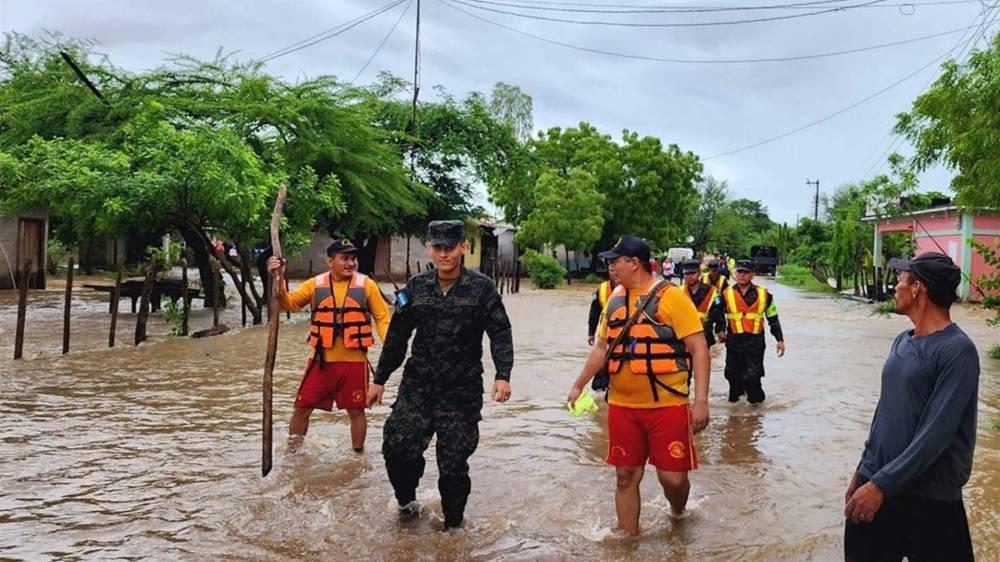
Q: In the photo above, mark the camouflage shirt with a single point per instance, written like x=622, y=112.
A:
x=448, y=346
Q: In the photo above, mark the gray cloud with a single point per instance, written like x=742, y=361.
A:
x=710, y=109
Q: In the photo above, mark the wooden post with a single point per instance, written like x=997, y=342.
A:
x=115, y=296
x=66, y=307
x=517, y=276
x=22, y=309
x=243, y=302
x=288, y=313
x=147, y=291
x=185, y=300
x=215, y=294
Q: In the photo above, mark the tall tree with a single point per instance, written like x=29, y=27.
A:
x=712, y=197
x=568, y=213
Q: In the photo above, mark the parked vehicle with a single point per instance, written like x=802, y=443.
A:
x=765, y=259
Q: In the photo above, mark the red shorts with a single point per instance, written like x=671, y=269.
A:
x=660, y=435
x=340, y=381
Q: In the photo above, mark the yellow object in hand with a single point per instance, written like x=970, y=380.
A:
x=585, y=403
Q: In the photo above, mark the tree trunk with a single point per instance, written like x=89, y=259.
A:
x=568, y=281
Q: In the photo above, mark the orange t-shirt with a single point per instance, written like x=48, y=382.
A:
x=302, y=297
x=632, y=391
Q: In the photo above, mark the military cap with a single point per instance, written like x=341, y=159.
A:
x=445, y=233
x=744, y=265
x=691, y=266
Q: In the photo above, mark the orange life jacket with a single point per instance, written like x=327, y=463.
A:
x=706, y=302
x=650, y=347
x=745, y=318
x=350, y=320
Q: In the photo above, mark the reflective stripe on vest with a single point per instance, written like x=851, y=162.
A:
x=706, y=303
x=718, y=282
x=352, y=320
x=651, y=347
x=744, y=318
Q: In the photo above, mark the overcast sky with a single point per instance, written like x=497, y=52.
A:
x=710, y=109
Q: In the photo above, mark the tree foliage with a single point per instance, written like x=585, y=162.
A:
x=568, y=213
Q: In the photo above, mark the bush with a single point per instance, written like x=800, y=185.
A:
x=594, y=279
x=884, y=308
x=545, y=271
x=994, y=352
x=173, y=314
x=802, y=277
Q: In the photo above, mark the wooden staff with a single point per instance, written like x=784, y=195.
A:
x=69, y=301
x=22, y=309
x=115, y=296
x=274, y=317
x=215, y=294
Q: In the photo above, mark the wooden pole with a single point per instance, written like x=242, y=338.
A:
x=115, y=296
x=215, y=294
x=274, y=320
x=22, y=309
x=288, y=313
x=147, y=291
x=243, y=302
x=185, y=300
x=66, y=307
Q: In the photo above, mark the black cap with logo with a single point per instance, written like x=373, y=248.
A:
x=341, y=246
x=935, y=270
x=445, y=233
x=628, y=246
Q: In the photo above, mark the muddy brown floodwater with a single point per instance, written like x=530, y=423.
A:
x=153, y=452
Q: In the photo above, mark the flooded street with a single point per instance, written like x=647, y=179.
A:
x=153, y=452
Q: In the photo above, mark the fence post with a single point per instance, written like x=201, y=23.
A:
x=66, y=307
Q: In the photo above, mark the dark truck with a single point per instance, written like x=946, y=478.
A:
x=765, y=259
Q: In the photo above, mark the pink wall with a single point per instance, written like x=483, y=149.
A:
x=986, y=223
x=979, y=267
x=940, y=223
x=952, y=245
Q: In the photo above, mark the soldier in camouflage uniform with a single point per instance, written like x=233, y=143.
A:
x=442, y=388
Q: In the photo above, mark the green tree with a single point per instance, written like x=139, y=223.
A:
x=712, y=197
x=568, y=213
x=510, y=105
x=957, y=123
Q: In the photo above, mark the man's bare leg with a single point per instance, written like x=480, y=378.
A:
x=298, y=426
x=627, y=500
x=359, y=428
x=676, y=488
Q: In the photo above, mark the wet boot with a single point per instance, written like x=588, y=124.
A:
x=404, y=475
x=454, y=495
x=735, y=389
x=755, y=392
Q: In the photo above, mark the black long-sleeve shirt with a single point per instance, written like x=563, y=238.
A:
x=594, y=318
x=448, y=347
x=923, y=434
x=770, y=312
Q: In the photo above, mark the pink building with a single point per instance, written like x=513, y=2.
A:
x=947, y=230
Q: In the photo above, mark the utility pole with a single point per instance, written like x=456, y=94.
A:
x=816, y=206
x=416, y=92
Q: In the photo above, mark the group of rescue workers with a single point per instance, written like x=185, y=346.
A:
x=649, y=338
x=650, y=343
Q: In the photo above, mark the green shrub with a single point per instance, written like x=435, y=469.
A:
x=594, y=279
x=884, y=308
x=802, y=277
x=545, y=271
x=173, y=314
x=994, y=352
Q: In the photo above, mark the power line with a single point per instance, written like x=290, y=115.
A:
x=384, y=40
x=328, y=34
x=841, y=111
x=701, y=61
x=840, y=8
x=879, y=162
x=799, y=5
x=581, y=7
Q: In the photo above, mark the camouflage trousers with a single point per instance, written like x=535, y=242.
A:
x=745, y=368
x=416, y=417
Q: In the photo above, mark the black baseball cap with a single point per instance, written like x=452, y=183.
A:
x=935, y=270
x=628, y=246
x=713, y=264
x=445, y=233
x=341, y=246
x=744, y=265
x=691, y=266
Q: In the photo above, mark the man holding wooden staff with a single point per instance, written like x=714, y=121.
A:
x=345, y=304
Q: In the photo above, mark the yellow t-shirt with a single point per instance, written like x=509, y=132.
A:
x=632, y=391
x=302, y=296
